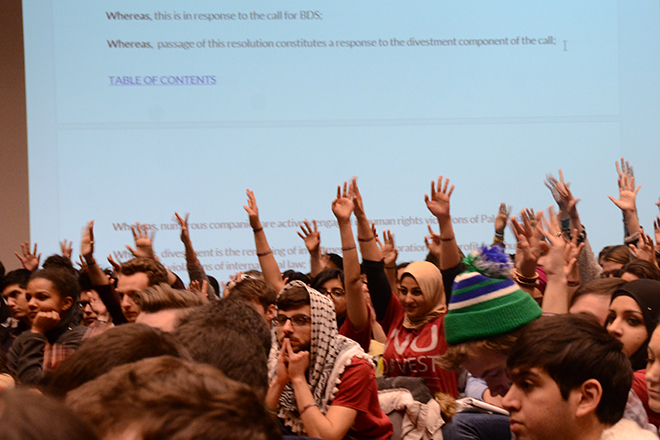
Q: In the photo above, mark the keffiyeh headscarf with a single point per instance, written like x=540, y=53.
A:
x=329, y=354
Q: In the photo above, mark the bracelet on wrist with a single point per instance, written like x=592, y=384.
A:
x=573, y=283
x=258, y=230
x=348, y=248
x=499, y=235
x=263, y=254
x=447, y=238
x=526, y=281
x=365, y=240
x=308, y=406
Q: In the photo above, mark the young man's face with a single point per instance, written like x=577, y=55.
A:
x=537, y=410
x=15, y=297
x=490, y=366
x=299, y=336
x=127, y=287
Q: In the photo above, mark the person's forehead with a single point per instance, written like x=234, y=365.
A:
x=12, y=288
x=304, y=310
x=534, y=373
x=135, y=282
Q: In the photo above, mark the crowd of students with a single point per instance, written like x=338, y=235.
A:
x=551, y=342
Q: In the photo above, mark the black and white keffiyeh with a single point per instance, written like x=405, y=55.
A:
x=329, y=355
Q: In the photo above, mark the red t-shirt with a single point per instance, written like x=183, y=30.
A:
x=412, y=353
x=358, y=391
x=639, y=387
x=362, y=337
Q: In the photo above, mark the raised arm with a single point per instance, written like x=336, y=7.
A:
x=528, y=251
x=389, y=252
x=438, y=204
x=144, y=247
x=29, y=260
x=558, y=262
x=627, y=196
x=96, y=274
x=501, y=220
x=366, y=237
x=312, y=239
x=66, y=246
x=97, y=277
x=379, y=287
x=356, y=307
x=195, y=269
x=269, y=266
x=569, y=218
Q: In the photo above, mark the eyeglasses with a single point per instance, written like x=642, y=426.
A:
x=337, y=292
x=296, y=320
x=83, y=304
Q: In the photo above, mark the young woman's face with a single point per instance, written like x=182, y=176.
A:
x=412, y=300
x=653, y=371
x=42, y=296
x=334, y=289
x=626, y=323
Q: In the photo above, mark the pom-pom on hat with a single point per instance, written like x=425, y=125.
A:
x=485, y=302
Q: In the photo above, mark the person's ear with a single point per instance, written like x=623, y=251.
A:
x=67, y=302
x=590, y=393
x=270, y=312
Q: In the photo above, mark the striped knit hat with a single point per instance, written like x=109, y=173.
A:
x=485, y=302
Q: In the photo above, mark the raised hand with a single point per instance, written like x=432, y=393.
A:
x=67, y=248
x=87, y=241
x=502, y=218
x=562, y=194
x=387, y=248
x=252, y=210
x=433, y=242
x=644, y=250
x=551, y=183
x=311, y=237
x=528, y=248
x=554, y=249
x=656, y=230
x=143, y=242
x=29, y=260
x=342, y=206
x=438, y=203
x=183, y=222
x=116, y=265
x=627, y=189
x=357, y=198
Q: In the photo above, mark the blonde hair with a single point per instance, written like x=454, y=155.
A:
x=163, y=296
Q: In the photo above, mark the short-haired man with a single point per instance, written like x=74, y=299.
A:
x=13, y=289
x=134, y=275
x=255, y=291
x=570, y=381
x=162, y=306
x=322, y=384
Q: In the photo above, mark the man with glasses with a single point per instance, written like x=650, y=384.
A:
x=322, y=384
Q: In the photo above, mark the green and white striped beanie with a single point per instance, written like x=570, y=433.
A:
x=485, y=302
